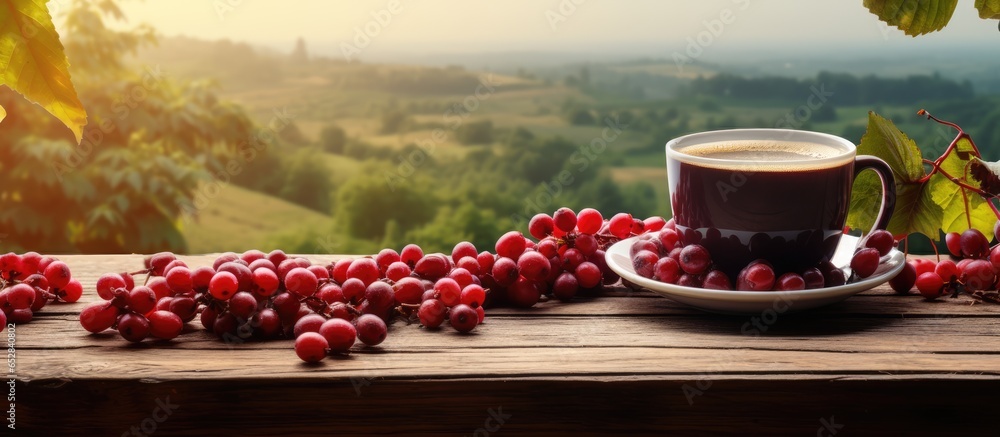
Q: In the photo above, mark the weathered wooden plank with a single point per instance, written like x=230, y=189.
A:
x=660, y=406
x=164, y=363
x=880, y=301
x=796, y=332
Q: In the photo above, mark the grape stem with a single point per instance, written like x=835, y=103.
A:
x=936, y=168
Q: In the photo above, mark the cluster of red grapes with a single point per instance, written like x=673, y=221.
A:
x=569, y=256
x=30, y=281
x=663, y=257
x=327, y=308
x=238, y=298
x=976, y=273
x=436, y=288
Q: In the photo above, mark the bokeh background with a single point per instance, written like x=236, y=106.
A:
x=336, y=127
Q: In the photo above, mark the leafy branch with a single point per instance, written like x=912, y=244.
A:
x=33, y=62
x=946, y=194
x=919, y=17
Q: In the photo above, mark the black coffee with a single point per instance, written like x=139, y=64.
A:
x=745, y=200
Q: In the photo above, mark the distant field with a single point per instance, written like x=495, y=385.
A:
x=655, y=176
x=342, y=168
x=240, y=219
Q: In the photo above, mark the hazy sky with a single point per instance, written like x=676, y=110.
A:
x=653, y=27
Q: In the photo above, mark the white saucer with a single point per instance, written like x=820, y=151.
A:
x=756, y=302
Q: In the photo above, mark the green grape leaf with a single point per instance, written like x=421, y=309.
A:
x=916, y=210
x=988, y=8
x=32, y=62
x=914, y=17
x=962, y=208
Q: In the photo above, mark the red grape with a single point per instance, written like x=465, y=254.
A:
x=572, y=258
x=694, y=259
x=408, y=290
x=668, y=239
x=397, y=270
x=715, y=280
x=20, y=296
x=303, y=282
x=165, y=325
x=486, y=261
x=979, y=275
x=244, y=277
x=308, y=323
x=364, y=269
x=185, y=307
x=589, y=221
x=565, y=286
x=533, y=265
x=947, y=270
x=922, y=266
x=930, y=285
x=462, y=250
x=903, y=282
x=995, y=257
x=71, y=292
x=380, y=297
x=432, y=313
x=505, y=271
x=179, y=279
x=463, y=318
x=371, y=329
x=586, y=244
x=865, y=262
x=588, y=274
x=564, y=219
x=689, y=280
x=473, y=295
x=266, y=281
x=108, y=283
x=654, y=223
x=385, y=258
x=331, y=293
x=881, y=240
x=974, y=244
x=433, y=267
x=644, y=263
x=158, y=262
x=511, y=245
x=339, y=334
x=524, y=293
x=353, y=289
x=448, y=291
x=667, y=270
x=790, y=282
x=813, y=278
x=541, y=226
x=954, y=242
x=620, y=225
x=200, y=277
x=641, y=245
x=58, y=274
x=133, y=327
x=311, y=347
x=410, y=254
x=142, y=299
x=223, y=285
x=242, y=305
x=758, y=276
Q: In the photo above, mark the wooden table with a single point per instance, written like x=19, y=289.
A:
x=626, y=362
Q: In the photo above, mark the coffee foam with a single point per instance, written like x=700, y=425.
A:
x=766, y=155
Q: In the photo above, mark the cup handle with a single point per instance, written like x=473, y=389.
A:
x=865, y=162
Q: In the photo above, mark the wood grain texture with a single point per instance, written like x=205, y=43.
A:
x=624, y=362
